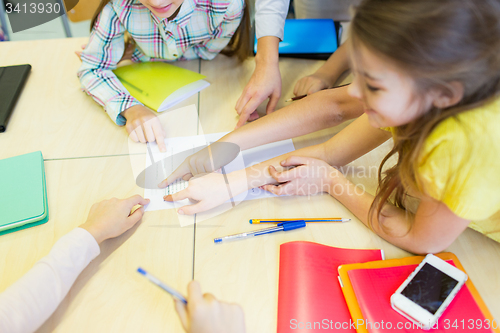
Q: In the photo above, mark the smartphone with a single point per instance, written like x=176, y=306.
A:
x=428, y=290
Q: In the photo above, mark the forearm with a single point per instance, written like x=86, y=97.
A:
x=353, y=142
x=105, y=88
x=267, y=51
x=358, y=201
x=318, y=111
x=431, y=230
x=26, y=304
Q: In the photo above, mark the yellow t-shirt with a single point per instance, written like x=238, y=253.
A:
x=460, y=166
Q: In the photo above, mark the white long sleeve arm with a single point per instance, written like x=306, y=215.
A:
x=270, y=17
x=30, y=301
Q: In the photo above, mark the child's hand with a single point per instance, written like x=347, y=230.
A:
x=310, y=176
x=311, y=84
x=209, y=191
x=265, y=83
x=207, y=160
x=111, y=218
x=144, y=126
x=205, y=314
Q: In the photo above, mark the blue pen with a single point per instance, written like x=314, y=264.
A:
x=283, y=226
x=163, y=286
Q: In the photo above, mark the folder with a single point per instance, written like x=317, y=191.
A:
x=367, y=288
x=308, y=289
x=308, y=38
x=23, y=192
x=159, y=85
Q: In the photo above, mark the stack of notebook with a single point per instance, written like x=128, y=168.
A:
x=323, y=288
x=23, y=192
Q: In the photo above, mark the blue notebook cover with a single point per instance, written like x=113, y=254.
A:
x=304, y=37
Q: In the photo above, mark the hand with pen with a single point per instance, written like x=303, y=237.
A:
x=203, y=313
x=312, y=83
x=326, y=76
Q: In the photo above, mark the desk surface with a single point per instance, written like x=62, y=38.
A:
x=53, y=114
x=246, y=272
x=109, y=296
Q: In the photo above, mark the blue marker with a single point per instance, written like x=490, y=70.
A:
x=283, y=226
x=163, y=286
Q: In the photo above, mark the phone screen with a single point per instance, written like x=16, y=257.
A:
x=429, y=288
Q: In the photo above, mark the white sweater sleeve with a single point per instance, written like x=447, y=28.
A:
x=30, y=301
x=270, y=17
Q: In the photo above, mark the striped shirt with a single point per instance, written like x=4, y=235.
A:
x=201, y=29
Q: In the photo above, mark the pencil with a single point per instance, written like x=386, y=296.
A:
x=315, y=220
x=296, y=98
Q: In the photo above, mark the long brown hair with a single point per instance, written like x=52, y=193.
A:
x=436, y=42
x=238, y=46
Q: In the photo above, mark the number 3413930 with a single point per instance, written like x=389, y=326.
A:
x=33, y=8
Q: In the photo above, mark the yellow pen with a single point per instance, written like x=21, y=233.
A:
x=314, y=220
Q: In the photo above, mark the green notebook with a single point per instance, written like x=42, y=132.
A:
x=23, y=192
x=159, y=85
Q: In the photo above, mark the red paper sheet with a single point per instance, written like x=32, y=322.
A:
x=309, y=296
x=374, y=287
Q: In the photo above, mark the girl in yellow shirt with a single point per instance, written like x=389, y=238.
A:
x=430, y=71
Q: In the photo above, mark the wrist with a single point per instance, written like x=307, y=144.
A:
x=335, y=181
x=267, y=51
x=131, y=110
x=239, y=182
x=97, y=236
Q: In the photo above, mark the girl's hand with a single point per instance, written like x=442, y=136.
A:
x=205, y=314
x=310, y=176
x=111, y=218
x=144, y=126
x=208, y=191
x=208, y=159
x=312, y=83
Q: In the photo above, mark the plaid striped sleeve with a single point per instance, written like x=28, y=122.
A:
x=103, y=52
x=222, y=32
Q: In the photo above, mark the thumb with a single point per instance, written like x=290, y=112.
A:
x=294, y=161
x=181, y=310
x=273, y=101
x=136, y=216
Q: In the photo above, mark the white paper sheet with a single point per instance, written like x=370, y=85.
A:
x=183, y=147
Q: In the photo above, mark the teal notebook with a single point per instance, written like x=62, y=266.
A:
x=23, y=192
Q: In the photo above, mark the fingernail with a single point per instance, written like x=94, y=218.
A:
x=282, y=162
x=180, y=211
